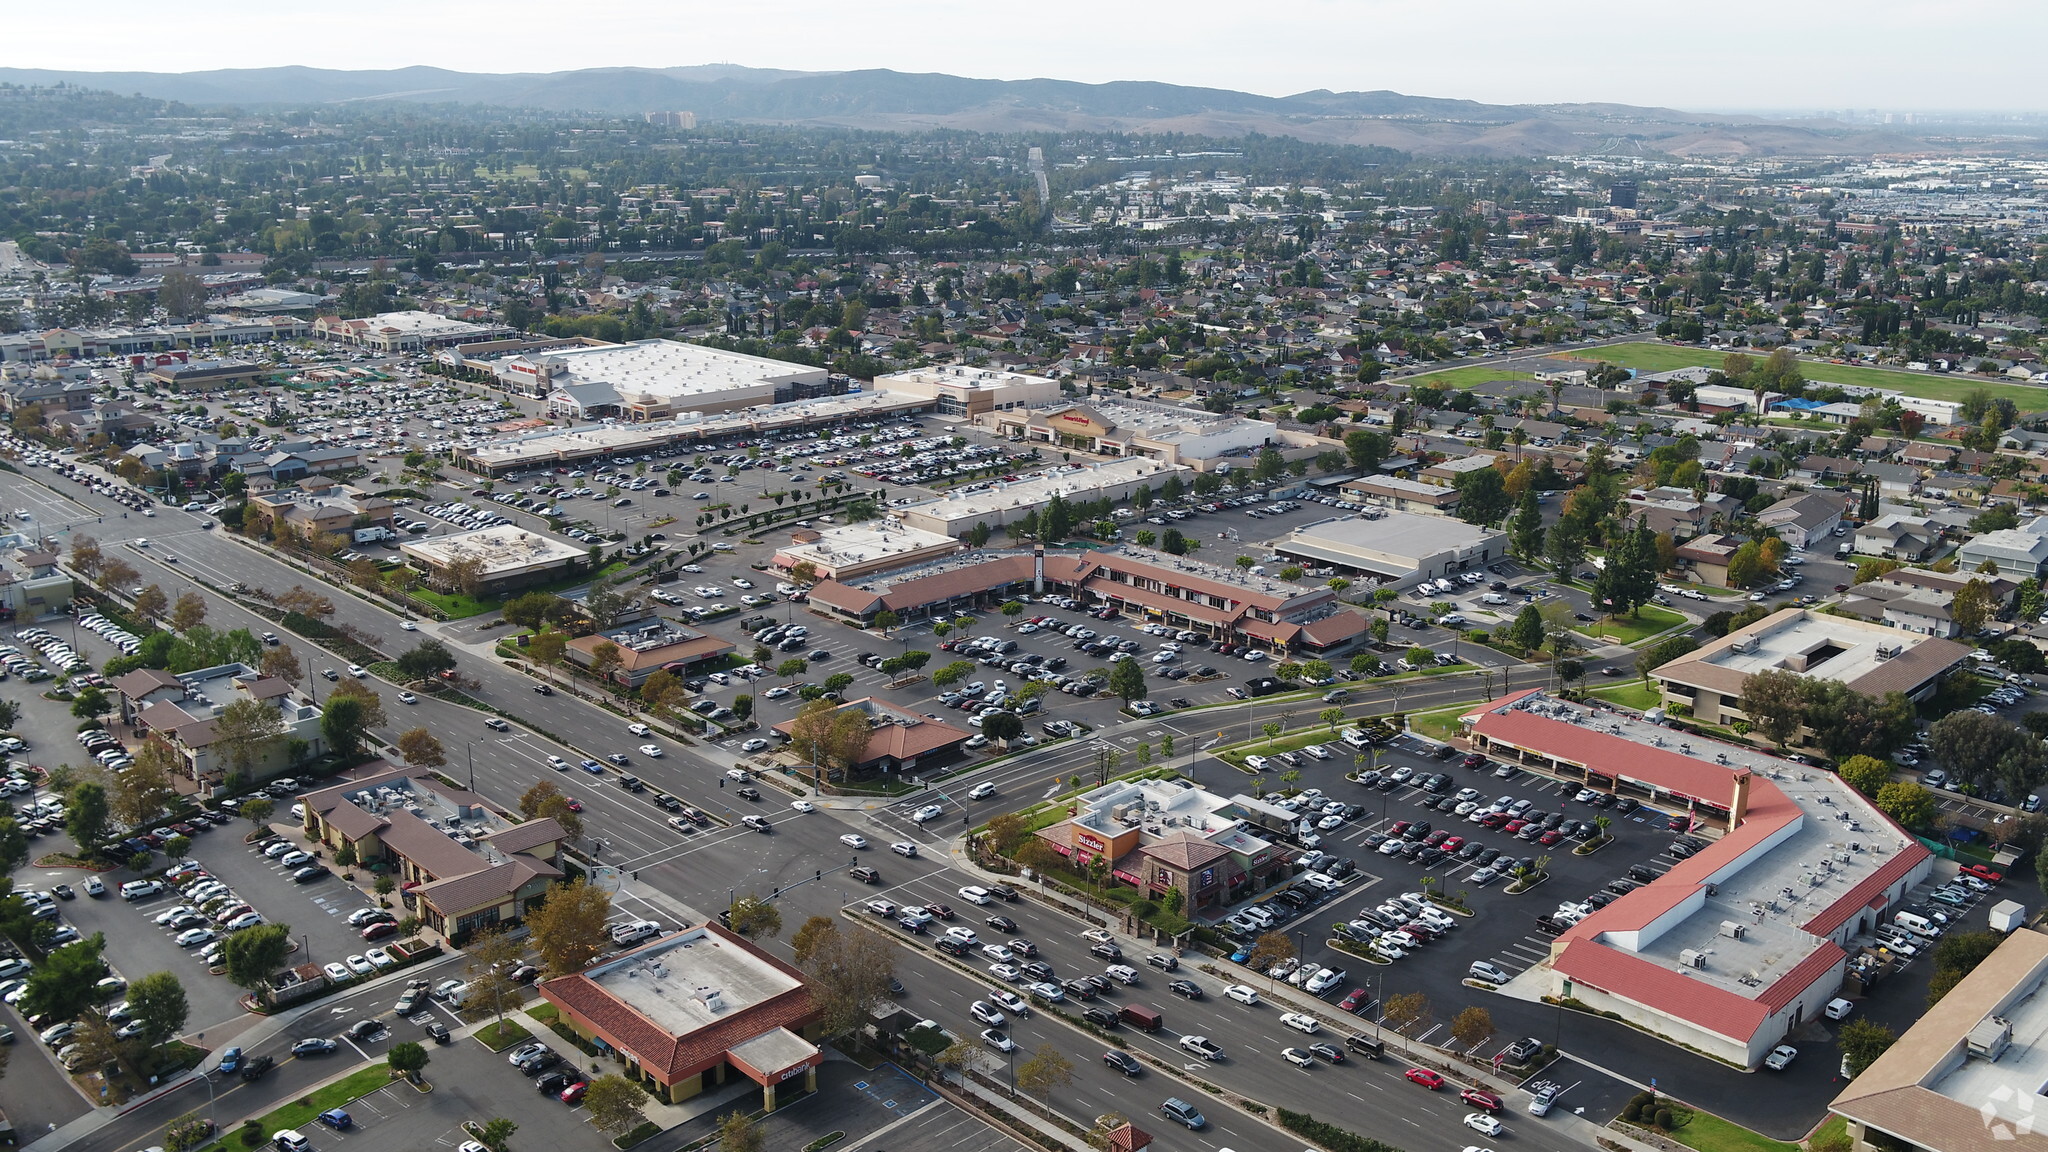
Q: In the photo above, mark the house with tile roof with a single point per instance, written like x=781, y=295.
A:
x=1736, y=947
x=689, y=1011
x=1160, y=835
x=462, y=865
x=182, y=709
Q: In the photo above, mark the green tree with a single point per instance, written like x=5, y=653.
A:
x=613, y=1103
x=1866, y=774
x=91, y=704
x=1906, y=802
x=1483, y=496
x=1664, y=652
x=65, y=986
x=496, y=1134
x=407, y=1058
x=423, y=660
x=568, y=928
x=1003, y=727
x=1862, y=1041
x=157, y=1005
x=341, y=723
x=1971, y=606
x=244, y=729
x=737, y=1132
x=1127, y=680
x=1525, y=528
x=253, y=955
x=1775, y=702
x=88, y=821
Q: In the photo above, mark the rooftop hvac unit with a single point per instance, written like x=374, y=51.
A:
x=1732, y=929
x=1693, y=958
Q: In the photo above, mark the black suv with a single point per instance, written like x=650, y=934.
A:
x=255, y=1068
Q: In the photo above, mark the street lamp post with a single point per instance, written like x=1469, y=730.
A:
x=208, y=1077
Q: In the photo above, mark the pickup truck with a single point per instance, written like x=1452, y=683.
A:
x=1201, y=1046
x=1550, y=926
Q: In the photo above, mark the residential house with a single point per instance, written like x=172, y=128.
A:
x=1804, y=520
x=1898, y=537
x=2018, y=553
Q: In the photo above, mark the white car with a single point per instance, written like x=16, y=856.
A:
x=1010, y=1002
x=407, y=698
x=639, y=729
x=651, y=751
x=854, y=840
x=999, y=953
x=1301, y=1022
x=1241, y=993
x=803, y=806
x=358, y=671
x=1780, y=1057
x=982, y=791
x=927, y=814
x=975, y=894
x=1298, y=1058
x=1006, y=972
x=1482, y=1122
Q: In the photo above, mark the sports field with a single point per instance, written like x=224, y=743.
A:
x=1648, y=357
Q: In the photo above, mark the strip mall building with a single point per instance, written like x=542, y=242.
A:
x=1735, y=947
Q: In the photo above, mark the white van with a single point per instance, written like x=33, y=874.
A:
x=1917, y=924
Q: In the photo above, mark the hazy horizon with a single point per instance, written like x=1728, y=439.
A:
x=1881, y=55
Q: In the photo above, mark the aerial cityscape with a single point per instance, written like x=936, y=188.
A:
x=834, y=603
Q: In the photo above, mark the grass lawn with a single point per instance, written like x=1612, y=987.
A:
x=1634, y=694
x=1315, y=733
x=1835, y=1127
x=1648, y=622
x=1441, y=724
x=299, y=1114
x=1467, y=376
x=1663, y=357
x=498, y=1037
x=1710, y=1133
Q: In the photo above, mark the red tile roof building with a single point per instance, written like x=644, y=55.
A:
x=688, y=1010
x=1222, y=603
x=1732, y=948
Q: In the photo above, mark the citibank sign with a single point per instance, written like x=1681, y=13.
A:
x=793, y=1073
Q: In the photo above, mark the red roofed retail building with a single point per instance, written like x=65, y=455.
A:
x=688, y=1011
x=1734, y=947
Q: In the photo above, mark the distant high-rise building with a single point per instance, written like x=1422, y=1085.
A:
x=1621, y=194
x=673, y=119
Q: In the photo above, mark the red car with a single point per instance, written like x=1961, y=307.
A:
x=1400, y=827
x=1426, y=1078
x=574, y=1092
x=1495, y=819
x=1358, y=999
x=1452, y=844
x=1514, y=826
x=1549, y=838
x=1988, y=875
x=572, y=804
x=380, y=931
x=1484, y=1101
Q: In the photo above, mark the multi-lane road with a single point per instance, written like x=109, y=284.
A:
x=675, y=877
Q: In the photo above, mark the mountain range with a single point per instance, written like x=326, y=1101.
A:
x=900, y=101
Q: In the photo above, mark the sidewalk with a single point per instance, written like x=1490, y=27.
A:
x=260, y=1029
x=1017, y=1114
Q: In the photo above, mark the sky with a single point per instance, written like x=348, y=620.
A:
x=1732, y=55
